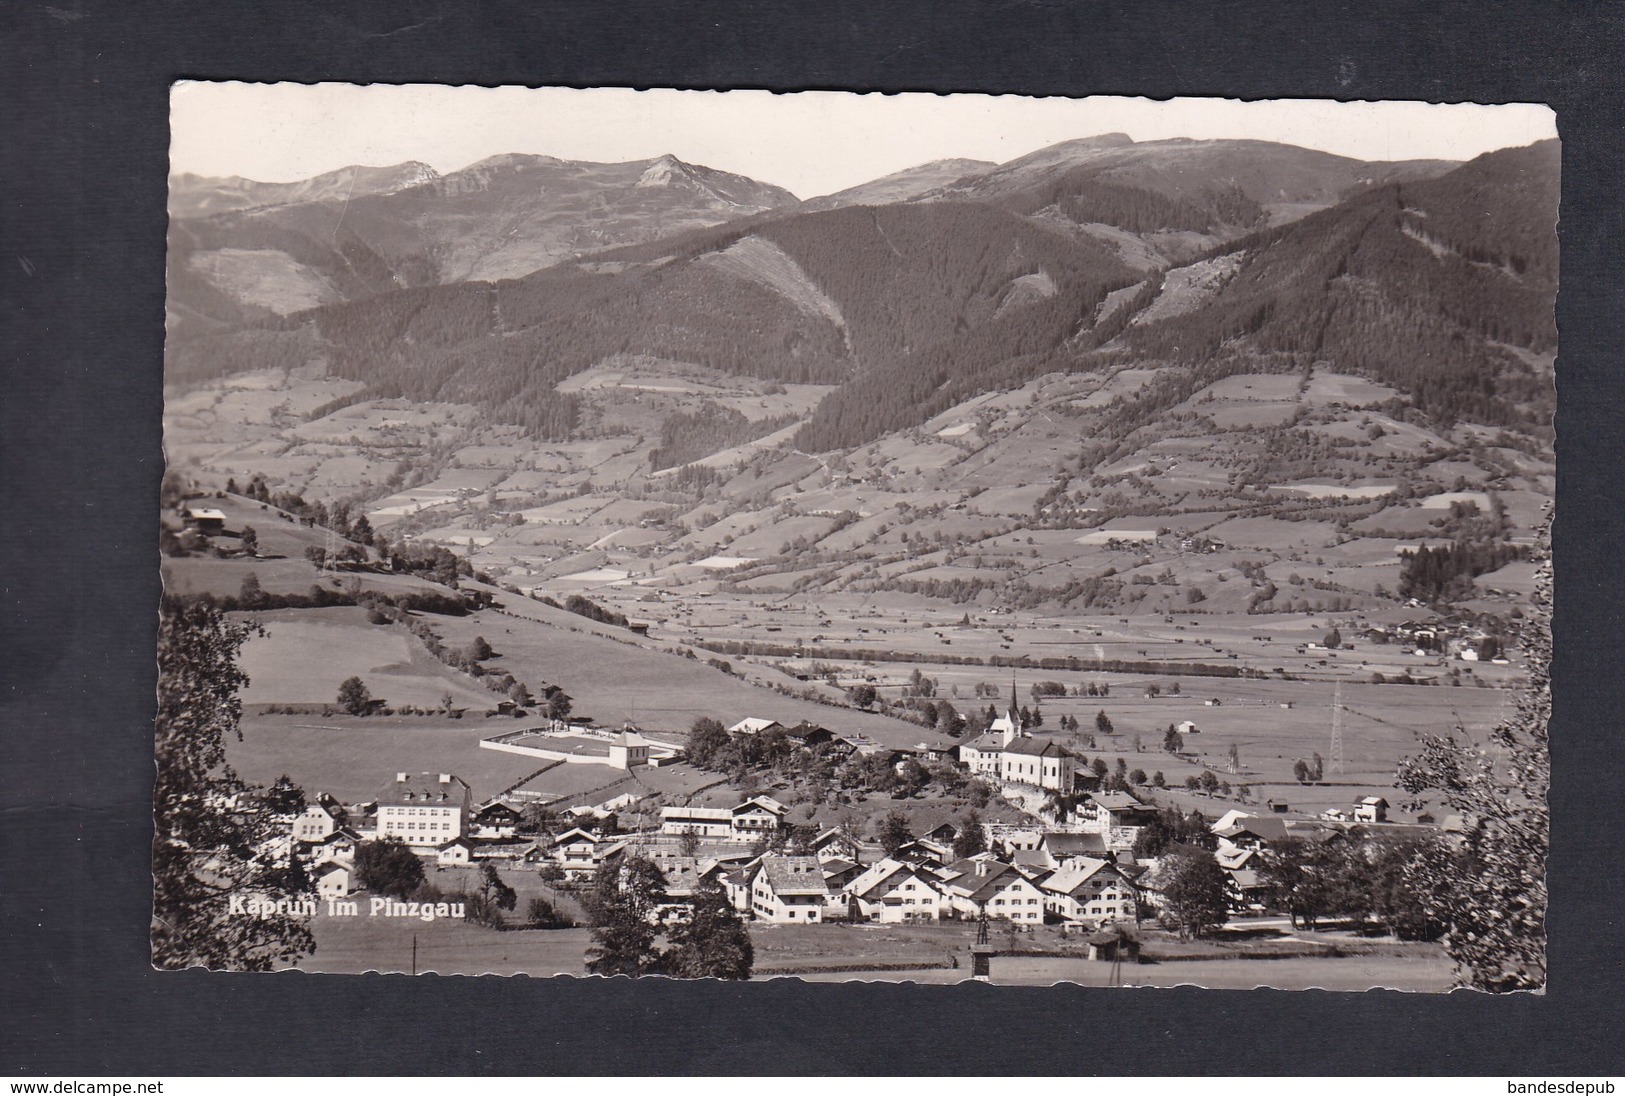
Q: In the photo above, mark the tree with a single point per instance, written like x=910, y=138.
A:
x=707, y=741
x=971, y=837
x=284, y=797
x=478, y=649
x=1158, y=780
x=1173, y=741
x=498, y=893
x=1332, y=639
x=861, y=696
x=1194, y=890
x=1099, y=767
x=894, y=833
x=1300, y=771
x=1103, y=723
x=387, y=866
x=1317, y=769
x=317, y=555
x=713, y=942
x=1490, y=893
x=1232, y=758
x=624, y=909
x=1210, y=782
x=559, y=705
x=542, y=914
x=1153, y=691
x=250, y=540
x=203, y=851
x=354, y=698
x=250, y=595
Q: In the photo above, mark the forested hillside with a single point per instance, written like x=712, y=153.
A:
x=1440, y=286
x=1432, y=286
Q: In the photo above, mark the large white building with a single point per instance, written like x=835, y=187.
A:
x=424, y=811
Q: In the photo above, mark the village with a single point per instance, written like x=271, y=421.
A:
x=1086, y=858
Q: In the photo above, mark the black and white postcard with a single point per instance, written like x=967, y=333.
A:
x=843, y=537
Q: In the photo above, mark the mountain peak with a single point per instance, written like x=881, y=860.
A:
x=668, y=170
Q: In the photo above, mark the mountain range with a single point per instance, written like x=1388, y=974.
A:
x=494, y=285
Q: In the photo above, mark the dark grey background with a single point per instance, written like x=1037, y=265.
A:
x=82, y=233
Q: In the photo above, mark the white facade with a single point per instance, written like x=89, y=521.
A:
x=424, y=812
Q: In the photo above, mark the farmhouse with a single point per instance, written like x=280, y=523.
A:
x=579, y=852
x=1251, y=832
x=203, y=520
x=338, y=845
x=422, y=811
x=1116, y=816
x=983, y=885
x=760, y=814
x=1090, y=892
x=755, y=725
x=495, y=820
x=892, y=891
x=1373, y=808
x=715, y=822
x=810, y=735
x=787, y=890
x=755, y=816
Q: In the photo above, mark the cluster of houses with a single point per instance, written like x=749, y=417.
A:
x=1065, y=879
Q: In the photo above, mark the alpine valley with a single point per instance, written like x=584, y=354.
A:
x=1238, y=434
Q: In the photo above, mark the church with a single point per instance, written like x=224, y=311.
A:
x=1007, y=752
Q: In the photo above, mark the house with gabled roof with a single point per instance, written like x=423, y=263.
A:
x=1090, y=892
x=338, y=845
x=1252, y=832
x=579, y=851
x=1372, y=808
x=893, y=891
x=317, y=822
x=983, y=885
x=756, y=815
x=788, y=890
x=923, y=850
x=810, y=735
x=983, y=754
x=755, y=725
x=715, y=822
x=458, y=851
x=495, y=820
x=334, y=878
x=838, y=873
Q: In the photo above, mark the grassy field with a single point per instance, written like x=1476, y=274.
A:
x=353, y=759
x=351, y=945
x=306, y=653
x=614, y=680
x=1424, y=975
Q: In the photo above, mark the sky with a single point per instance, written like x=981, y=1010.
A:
x=810, y=143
